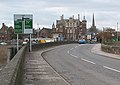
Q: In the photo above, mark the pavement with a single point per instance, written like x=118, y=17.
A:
x=97, y=50
x=39, y=72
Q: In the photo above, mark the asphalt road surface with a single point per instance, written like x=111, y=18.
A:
x=79, y=66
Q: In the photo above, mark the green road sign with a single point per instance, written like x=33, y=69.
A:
x=23, y=23
x=28, y=24
x=18, y=26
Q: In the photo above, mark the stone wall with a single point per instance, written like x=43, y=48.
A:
x=115, y=49
x=12, y=73
x=3, y=54
x=51, y=44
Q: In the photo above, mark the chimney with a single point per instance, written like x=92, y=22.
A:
x=62, y=17
x=3, y=24
x=73, y=16
x=78, y=16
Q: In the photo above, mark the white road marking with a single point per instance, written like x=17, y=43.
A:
x=76, y=46
x=68, y=52
x=87, y=61
x=111, y=69
x=73, y=55
x=71, y=48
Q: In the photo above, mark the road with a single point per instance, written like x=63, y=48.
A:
x=79, y=66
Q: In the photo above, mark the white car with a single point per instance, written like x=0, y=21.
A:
x=24, y=43
x=3, y=43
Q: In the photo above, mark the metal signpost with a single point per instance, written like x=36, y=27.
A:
x=23, y=24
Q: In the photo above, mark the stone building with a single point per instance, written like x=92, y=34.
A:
x=110, y=34
x=10, y=33
x=45, y=33
x=6, y=33
x=69, y=29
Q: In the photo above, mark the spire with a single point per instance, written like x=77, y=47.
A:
x=53, y=26
x=83, y=17
x=73, y=16
x=84, y=20
x=78, y=16
x=62, y=17
x=93, y=27
x=93, y=21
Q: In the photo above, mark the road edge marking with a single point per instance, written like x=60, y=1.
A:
x=111, y=69
x=66, y=81
x=88, y=61
x=74, y=56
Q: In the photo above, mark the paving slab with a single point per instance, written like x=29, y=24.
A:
x=39, y=72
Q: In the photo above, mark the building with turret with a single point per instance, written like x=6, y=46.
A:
x=69, y=29
x=84, y=24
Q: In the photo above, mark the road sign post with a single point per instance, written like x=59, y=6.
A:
x=17, y=42
x=23, y=24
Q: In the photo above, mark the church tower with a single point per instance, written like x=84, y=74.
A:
x=93, y=27
x=53, y=27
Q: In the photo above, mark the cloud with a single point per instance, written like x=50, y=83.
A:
x=45, y=12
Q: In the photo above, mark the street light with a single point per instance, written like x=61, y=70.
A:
x=117, y=32
x=103, y=35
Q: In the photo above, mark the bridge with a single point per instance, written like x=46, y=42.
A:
x=14, y=71
x=30, y=68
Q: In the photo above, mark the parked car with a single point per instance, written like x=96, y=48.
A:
x=3, y=43
x=82, y=41
x=24, y=42
x=34, y=42
x=42, y=41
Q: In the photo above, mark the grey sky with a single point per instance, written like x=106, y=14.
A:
x=45, y=12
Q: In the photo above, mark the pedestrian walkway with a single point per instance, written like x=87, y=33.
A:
x=97, y=50
x=39, y=72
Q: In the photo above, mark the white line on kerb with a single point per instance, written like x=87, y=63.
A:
x=88, y=61
x=111, y=69
x=73, y=55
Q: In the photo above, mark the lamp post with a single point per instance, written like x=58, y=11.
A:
x=117, y=32
x=102, y=35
